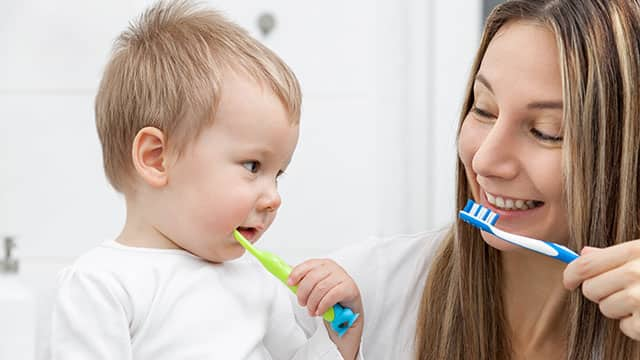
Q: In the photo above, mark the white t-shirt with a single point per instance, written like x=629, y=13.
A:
x=391, y=274
x=123, y=303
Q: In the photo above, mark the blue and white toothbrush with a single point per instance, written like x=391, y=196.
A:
x=485, y=219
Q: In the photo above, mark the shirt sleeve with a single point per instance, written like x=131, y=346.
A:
x=292, y=337
x=89, y=320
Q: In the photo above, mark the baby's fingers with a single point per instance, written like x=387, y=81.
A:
x=319, y=292
x=332, y=297
x=308, y=283
x=301, y=270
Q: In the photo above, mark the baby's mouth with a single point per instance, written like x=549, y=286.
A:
x=510, y=204
x=249, y=233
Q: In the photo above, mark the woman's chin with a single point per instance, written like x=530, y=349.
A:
x=497, y=243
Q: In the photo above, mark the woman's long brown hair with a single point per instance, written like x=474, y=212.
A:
x=462, y=310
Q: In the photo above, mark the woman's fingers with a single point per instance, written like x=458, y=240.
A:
x=604, y=285
x=595, y=262
x=630, y=326
x=621, y=304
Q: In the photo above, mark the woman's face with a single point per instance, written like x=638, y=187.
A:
x=510, y=141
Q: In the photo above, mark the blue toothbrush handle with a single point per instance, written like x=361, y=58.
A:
x=343, y=319
x=485, y=219
x=565, y=254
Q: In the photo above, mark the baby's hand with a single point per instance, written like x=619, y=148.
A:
x=321, y=284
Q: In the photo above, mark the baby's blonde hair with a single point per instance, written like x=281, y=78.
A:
x=166, y=71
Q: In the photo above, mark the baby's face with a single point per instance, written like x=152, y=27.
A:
x=227, y=178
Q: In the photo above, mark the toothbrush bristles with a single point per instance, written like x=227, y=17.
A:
x=469, y=205
x=481, y=213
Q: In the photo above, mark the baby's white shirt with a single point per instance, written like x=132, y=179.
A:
x=123, y=303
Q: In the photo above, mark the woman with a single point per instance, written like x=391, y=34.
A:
x=549, y=138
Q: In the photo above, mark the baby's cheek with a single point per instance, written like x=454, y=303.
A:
x=231, y=213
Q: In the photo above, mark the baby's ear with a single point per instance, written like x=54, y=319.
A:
x=149, y=155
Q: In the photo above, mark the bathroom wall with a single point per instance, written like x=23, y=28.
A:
x=382, y=86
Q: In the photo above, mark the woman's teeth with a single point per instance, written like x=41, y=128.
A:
x=512, y=204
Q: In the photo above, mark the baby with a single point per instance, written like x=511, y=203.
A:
x=197, y=121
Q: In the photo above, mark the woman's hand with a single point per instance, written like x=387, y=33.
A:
x=610, y=277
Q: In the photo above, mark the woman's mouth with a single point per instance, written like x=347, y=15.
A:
x=511, y=204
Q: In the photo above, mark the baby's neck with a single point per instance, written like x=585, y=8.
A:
x=139, y=231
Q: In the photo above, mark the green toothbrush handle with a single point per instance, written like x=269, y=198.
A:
x=340, y=318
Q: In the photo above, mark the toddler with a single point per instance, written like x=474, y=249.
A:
x=197, y=121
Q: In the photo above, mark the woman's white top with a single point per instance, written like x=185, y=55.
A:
x=391, y=274
x=123, y=303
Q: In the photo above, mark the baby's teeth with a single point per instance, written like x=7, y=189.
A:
x=499, y=201
x=520, y=204
x=491, y=198
x=531, y=204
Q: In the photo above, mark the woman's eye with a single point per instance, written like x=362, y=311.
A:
x=482, y=113
x=545, y=137
x=252, y=166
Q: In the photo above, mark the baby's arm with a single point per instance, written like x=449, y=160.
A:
x=89, y=321
x=323, y=283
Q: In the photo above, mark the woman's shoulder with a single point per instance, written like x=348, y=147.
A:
x=390, y=272
x=392, y=249
x=399, y=260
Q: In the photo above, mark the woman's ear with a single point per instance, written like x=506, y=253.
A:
x=149, y=155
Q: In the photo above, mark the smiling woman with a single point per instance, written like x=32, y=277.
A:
x=549, y=113
x=548, y=139
x=551, y=108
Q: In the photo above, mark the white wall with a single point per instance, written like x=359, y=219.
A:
x=382, y=85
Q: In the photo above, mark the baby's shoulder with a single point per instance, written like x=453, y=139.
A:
x=111, y=258
x=119, y=266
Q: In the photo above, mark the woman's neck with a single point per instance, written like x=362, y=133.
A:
x=535, y=305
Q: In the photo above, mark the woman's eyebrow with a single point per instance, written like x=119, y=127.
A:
x=481, y=79
x=541, y=105
x=536, y=105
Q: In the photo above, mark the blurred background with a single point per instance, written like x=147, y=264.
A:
x=382, y=83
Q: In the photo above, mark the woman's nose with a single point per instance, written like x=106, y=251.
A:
x=496, y=157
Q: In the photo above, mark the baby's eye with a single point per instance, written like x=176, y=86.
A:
x=252, y=166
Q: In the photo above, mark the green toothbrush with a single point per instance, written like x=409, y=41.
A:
x=339, y=317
